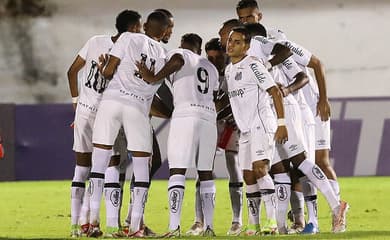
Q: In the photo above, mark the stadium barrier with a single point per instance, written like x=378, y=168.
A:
x=38, y=140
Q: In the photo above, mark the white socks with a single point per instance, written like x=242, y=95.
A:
x=112, y=193
x=283, y=193
x=253, y=198
x=207, y=195
x=267, y=190
x=77, y=192
x=175, y=199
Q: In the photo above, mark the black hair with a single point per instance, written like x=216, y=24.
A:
x=165, y=11
x=214, y=44
x=231, y=23
x=125, y=19
x=256, y=29
x=192, y=39
x=159, y=17
x=244, y=32
x=246, y=4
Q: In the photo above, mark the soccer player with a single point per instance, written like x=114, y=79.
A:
x=316, y=96
x=228, y=142
x=126, y=102
x=249, y=87
x=194, y=81
x=86, y=103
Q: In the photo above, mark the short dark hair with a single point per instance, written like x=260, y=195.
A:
x=214, y=44
x=193, y=39
x=246, y=4
x=160, y=17
x=244, y=32
x=125, y=19
x=231, y=23
x=163, y=10
x=256, y=29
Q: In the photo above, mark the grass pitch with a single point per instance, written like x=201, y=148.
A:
x=40, y=210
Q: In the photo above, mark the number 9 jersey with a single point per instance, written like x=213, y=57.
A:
x=193, y=86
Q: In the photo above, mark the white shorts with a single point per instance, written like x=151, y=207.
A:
x=112, y=115
x=295, y=144
x=232, y=144
x=322, y=134
x=308, y=125
x=192, y=143
x=255, y=145
x=82, y=132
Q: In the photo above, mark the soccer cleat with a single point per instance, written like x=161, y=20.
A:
x=75, y=231
x=84, y=229
x=295, y=229
x=195, y=230
x=137, y=234
x=173, y=234
x=235, y=229
x=270, y=227
x=94, y=231
x=310, y=228
x=125, y=229
x=148, y=232
x=250, y=230
x=340, y=219
x=114, y=232
x=209, y=232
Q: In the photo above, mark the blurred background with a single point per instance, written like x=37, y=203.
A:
x=39, y=39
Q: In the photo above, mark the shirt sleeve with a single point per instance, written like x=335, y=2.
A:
x=300, y=54
x=262, y=77
x=118, y=50
x=84, y=51
x=291, y=69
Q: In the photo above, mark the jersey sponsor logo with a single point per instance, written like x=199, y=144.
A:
x=281, y=192
x=236, y=93
x=114, y=197
x=259, y=75
x=238, y=76
x=132, y=95
x=294, y=49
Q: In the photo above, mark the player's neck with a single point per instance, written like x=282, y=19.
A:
x=237, y=59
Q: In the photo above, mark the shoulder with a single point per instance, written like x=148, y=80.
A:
x=277, y=34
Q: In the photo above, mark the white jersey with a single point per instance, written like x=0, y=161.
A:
x=127, y=86
x=276, y=34
x=91, y=82
x=193, y=86
x=248, y=81
x=261, y=47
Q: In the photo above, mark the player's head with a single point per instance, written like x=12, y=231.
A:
x=128, y=21
x=239, y=42
x=169, y=31
x=256, y=29
x=215, y=54
x=225, y=30
x=156, y=25
x=248, y=11
x=192, y=41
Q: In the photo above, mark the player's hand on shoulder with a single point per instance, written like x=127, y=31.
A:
x=281, y=135
x=323, y=109
x=146, y=73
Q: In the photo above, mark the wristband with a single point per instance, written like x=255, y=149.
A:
x=281, y=122
x=268, y=65
x=75, y=99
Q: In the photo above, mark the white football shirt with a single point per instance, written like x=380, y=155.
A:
x=127, y=85
x=248, y=81
x=91, y=83
x=193, y=86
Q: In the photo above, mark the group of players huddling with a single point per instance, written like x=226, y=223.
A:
x=252, y=97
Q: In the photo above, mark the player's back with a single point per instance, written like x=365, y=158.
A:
x=127, y=84
x=91, y=82
x=193, y=86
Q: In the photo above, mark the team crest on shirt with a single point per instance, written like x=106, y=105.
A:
x=238, y=76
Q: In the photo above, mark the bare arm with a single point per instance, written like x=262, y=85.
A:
x=301, y=80
x=174, y=64
x=158, y=109
x=280, y=53
x=323, y=106
x=73, y=70
x=281, y=135
x=111, y=67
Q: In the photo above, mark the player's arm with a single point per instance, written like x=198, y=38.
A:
x=110, y=69
x=323, y=106
x=281, y=53
x=73, y=71
x=174, y=64
x=298, y=78
x=281, y=135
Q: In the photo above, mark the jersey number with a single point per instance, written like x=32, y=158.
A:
x=144, y=58
x=99, y=82
x=203, y=78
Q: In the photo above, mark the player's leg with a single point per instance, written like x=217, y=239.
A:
x=197, y=228
x=297, y=202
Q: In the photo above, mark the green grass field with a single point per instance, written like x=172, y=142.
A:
x=40, y=210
